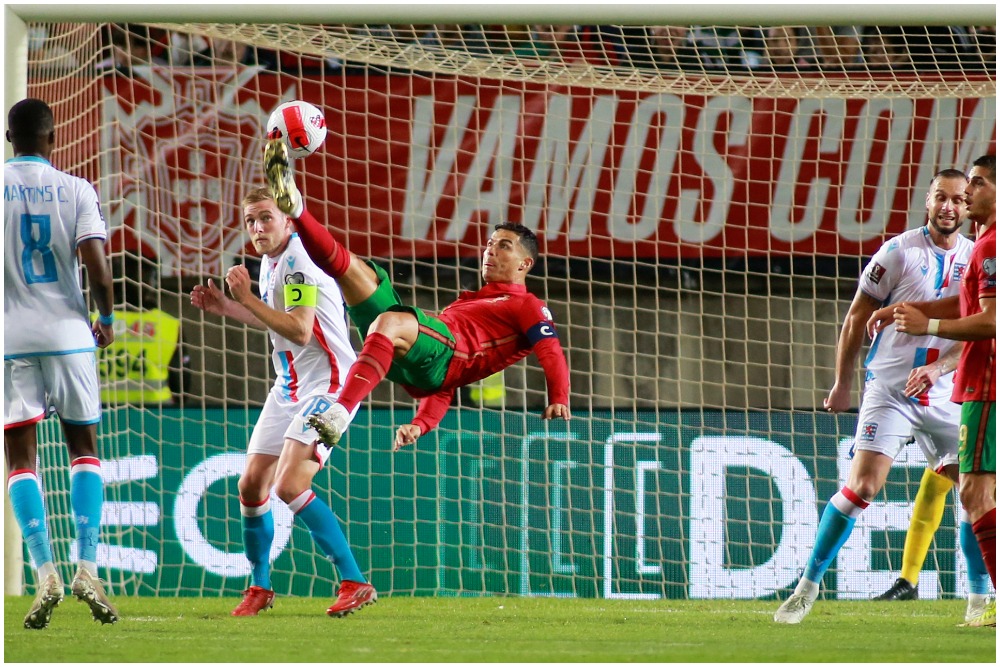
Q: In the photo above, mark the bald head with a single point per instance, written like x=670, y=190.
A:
x=31, y=128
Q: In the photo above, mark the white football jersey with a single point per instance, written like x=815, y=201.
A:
x=909, y=267
x=321, y=365
x=47, y=213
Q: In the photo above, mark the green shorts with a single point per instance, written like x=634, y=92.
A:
x=426, y=364
x=977, y=440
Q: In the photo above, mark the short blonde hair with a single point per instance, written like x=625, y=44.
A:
x=257, y=195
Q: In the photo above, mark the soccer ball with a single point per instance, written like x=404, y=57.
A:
x=300, y=124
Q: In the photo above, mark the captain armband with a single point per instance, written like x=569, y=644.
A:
x=301, y=295
x=542, y=330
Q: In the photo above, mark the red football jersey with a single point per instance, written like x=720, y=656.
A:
x=493, y=328
x=975, y=379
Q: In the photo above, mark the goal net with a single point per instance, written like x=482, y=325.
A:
x=705, y=199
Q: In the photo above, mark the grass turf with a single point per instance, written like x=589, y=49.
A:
x=403, y=629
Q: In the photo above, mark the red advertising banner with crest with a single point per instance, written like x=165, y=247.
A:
x=422, y=167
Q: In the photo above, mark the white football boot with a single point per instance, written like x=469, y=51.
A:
x=278, y=171
x=50, y=594
x=330, y=424
x=88, y=589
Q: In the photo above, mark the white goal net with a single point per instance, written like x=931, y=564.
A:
x=705, y=198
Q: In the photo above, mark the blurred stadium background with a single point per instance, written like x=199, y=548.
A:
x=706, y=193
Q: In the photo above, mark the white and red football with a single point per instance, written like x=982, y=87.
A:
x=300, y=124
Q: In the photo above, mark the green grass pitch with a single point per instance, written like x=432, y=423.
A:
x=405, y=629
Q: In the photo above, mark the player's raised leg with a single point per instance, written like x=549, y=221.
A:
x=390, y=336
x=258, y=531
x=357, y=280
x=297, y=466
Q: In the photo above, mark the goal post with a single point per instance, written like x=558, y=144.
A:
x=705, y=197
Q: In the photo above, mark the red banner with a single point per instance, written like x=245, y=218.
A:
x=422, y=167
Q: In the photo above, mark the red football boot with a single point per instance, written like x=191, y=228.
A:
x=351, y=597
x=255, y=600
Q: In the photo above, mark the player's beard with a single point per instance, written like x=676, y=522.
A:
x=944, y=231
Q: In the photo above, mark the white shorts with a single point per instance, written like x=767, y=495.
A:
x=888, y=419
x=281, y=419
x=65, y=383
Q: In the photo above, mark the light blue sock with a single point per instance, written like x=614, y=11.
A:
x=834, y=529
x=26, y=503
x=326, y=532
x=258, y=534
x=979, y=576
x=86, y=495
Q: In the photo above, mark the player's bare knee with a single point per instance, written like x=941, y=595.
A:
x=401, y=327
x=866, y=487
x=977, y=498
x=252, y=486
x=287, y=489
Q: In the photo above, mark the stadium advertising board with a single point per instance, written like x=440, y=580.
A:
x=702, y=504
x=421, y=168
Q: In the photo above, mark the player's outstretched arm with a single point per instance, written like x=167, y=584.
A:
x=211, y=299
x=552, y=359
x=295, y=325
x=943, y=308
x=430, y=411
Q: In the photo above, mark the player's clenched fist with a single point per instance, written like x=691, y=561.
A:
x=238, y=279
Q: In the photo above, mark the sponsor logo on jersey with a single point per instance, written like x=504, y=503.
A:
x=868, y=431
x=876, y=272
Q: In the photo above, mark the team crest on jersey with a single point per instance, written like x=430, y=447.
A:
x=868, y=430
x=958, y=273
x=876, y=272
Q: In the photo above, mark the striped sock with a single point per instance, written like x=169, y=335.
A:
x=835, y=527
x=26, y=503
x=326, y=532
x=86, y=490
x=258, y=535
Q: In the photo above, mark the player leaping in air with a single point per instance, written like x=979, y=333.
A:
x=481, y=333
